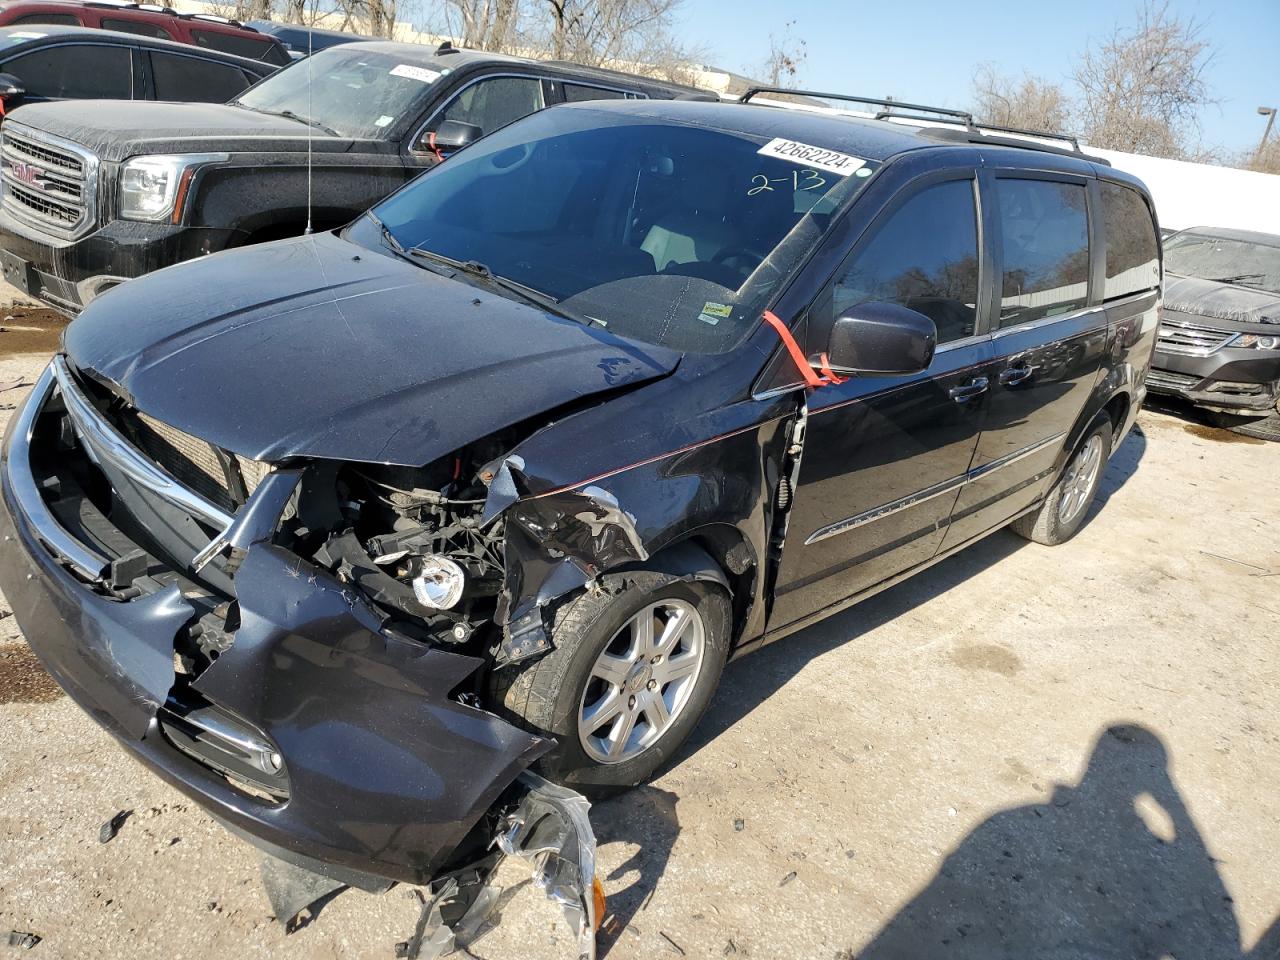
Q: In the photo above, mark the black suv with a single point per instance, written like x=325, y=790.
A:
x=48, y=63
x=342, y=533
x=115, y=190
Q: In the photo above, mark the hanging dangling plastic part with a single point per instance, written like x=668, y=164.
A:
x=811, y=377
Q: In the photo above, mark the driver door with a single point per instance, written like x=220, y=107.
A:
x=884, y=457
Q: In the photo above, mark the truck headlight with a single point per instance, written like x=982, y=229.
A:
x=154, y=188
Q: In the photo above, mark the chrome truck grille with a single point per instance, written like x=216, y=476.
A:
x=1191, y=338
x=195, y=463
x=48, y=182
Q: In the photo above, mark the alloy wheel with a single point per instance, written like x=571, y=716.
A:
x=642, y=681
x=1080, y=479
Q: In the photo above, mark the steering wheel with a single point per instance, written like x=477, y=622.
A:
x=742, y=257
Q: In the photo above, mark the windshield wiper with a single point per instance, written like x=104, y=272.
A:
x=290, y=115
x=528, y=294
x=1244, y=279
x=395, y=246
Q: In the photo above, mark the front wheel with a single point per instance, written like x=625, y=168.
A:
x=634, y=667
x=1062, y=514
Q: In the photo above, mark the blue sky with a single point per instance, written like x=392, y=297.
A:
x=927, y=51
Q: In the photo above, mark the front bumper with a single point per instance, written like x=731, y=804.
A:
x=1230, y=379
x=388, y=772
x=67, y=276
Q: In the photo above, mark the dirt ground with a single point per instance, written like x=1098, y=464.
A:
x=1027, y=751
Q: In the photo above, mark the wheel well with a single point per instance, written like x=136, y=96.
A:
x=284, y=230
x=1117, y=409
x=732, y=554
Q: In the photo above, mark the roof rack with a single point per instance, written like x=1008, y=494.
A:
x=973, y=133
x=892, y=108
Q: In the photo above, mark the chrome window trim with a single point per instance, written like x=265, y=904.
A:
x=422, y=128
x=1046, y=321
x=103, y=439
x=928, y=493
x=87, y=563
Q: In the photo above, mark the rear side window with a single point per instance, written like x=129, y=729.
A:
x=242, y=46
x=193, y=80
x=577, y=92
x=140, y=27
x=61, y=19
x=1044, y=228
x=1133, y=250
x=925, y=256
x=75, y=71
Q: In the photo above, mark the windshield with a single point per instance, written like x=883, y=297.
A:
x=1239, y=262
x=354, y=92
x=671, y=234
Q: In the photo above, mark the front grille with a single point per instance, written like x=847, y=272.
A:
x=1169, y=380
x=195, y=463
x=48, y=182
x=1191, y=338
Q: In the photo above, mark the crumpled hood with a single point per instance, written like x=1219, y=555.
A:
x=317, y=347
x=1225, y=301
x=118, y=129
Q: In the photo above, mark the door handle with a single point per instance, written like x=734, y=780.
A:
x=1012, y=376
x=974, y=388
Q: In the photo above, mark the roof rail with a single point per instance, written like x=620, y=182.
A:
x=1070, y=138
x=891, y=107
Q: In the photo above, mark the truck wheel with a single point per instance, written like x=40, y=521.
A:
x=634, y=667
x=1064, y=509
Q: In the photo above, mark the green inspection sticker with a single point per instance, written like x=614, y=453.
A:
x=713, y=312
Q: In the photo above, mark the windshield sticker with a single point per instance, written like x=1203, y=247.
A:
x=713, y=312
x=382, y=121
x=810, y=156
x=411, y=72
x=26, y=35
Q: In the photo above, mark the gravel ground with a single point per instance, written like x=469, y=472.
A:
x=1026, y=751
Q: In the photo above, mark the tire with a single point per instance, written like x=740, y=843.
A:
x=1268, y=428
x=1064, y=510
x=549, y=694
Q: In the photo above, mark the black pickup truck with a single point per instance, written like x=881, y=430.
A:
x=99, y=192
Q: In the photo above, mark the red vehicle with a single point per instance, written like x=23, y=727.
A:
x=150, y=20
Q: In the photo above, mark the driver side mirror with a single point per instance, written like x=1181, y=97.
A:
x=10, y=86
x=452, y=135
x=882, y=339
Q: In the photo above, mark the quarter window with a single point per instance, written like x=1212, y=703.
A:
x=1133, y=251
x=192, y=80
x=925, y=256
x=494, y=103
x=577, y=92
x=1044, y=229
x=241, y=46
x=75, y=72
x=60, y=19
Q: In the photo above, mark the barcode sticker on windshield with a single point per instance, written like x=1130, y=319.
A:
x=411, y=72
x=811, y=156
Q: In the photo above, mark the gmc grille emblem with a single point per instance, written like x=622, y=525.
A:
x=29, y=174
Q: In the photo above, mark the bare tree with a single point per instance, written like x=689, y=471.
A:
x=1029, y=102
x=786, y=56
x=596, y=32
x=1263, y=159
x=1142, y=89
x=488, y=24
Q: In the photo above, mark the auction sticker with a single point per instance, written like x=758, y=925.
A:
x=411, y=72
x=811, y=156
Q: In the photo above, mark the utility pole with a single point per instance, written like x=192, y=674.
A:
x=1270, y=114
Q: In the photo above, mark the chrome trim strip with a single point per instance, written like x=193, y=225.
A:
x=880, y=512
x=928, y=493
x=977, y=473
x=87, y=563
x=101, y=438
x=1001, y=332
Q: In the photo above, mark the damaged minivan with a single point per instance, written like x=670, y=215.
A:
x=382, y=543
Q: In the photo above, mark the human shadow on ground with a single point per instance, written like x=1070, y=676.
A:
x=1112, y=867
